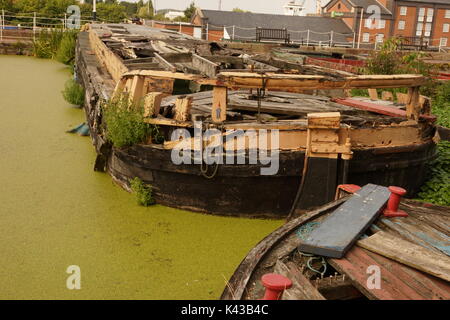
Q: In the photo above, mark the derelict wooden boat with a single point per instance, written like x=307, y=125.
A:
x=426, y=229
x=360, y=142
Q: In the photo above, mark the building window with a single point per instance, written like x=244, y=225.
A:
x=447, y=14
x=381, y=24
x=403, y=11
x=419, y=29
x=421, y=14
x=380, y=37
x=366, y=37
x=446, y=27
x=401, y=25
x=443, y=42
x=369, y=23
x=430, y=13
x=339, y=6
x=427, y=29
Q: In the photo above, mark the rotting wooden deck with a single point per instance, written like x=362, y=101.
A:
x=348, y=278
x=140, y=62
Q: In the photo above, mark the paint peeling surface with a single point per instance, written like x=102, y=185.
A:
x=55, y=211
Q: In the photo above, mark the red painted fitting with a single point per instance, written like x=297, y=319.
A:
x=275, y=285
x=393, y=203
x=350, y=188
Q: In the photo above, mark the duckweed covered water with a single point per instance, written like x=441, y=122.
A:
x=55, y=211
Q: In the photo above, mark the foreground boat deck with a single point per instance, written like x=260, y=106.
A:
x=427, y=226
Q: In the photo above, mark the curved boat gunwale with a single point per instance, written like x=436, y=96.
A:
x=237, y=284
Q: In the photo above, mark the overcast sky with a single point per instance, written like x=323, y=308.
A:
x=262, y=6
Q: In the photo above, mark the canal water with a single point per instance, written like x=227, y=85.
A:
x=55, y=211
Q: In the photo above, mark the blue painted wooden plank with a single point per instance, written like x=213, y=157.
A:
x=336, y=234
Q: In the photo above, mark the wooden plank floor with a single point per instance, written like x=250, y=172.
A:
x=398, y=282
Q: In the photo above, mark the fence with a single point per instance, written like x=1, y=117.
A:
x=25, y=26
x=308, y=37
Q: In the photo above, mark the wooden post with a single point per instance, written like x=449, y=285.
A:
x=2, y=24
x=183, y=108
x=373, y=93
x=137, y=87
x=152, y=103
x=219, y=106
x=34, y=26
x=413, y=106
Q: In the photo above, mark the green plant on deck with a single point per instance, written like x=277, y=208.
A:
x=73, y=93
x=124, y=123
x=143, y=192
x=437, y=189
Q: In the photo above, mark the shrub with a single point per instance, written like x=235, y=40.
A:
x=124, y=124
x=66, y=49
x=437, y=189
x=47, y=43
x=143, y=192
x=73, y=93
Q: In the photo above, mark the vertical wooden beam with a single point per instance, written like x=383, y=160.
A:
x=152, y=103
x=183, y=108
x=120, y=86
x=413, y=105
x=373, y=94
x=219, y=106
x=137, y=87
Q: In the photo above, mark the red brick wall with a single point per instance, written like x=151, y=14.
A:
x=438, y=33
x=186, y=29
x=410, y=22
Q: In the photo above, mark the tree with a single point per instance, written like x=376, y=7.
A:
x=189, y=11
x=239, y=10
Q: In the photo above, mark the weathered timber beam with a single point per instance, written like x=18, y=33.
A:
x=205, y=66
x=164, y=63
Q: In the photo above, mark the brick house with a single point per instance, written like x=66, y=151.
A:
x=426, y=19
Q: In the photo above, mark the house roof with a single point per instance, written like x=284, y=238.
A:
x=246, y=22
x=447, y=2
x=365, y=4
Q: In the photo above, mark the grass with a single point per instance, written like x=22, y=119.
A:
x=56, y=44
x=73, y=93
x=143, y=192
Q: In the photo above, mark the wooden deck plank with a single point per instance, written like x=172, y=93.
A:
x=302, y=288
x=408, y=253
x=373, y=107
x=342, y=228
x=422, y=233
x=429, y=287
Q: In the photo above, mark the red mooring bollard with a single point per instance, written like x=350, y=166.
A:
x=275, y=285
x=393, y=203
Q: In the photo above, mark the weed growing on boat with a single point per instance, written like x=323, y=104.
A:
x=73, y=93
x=124, y=124
x=437, y=189
x=143, y=192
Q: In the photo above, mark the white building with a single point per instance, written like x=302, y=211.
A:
x=304, y=7
x=173, y=14
x=294, y=8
